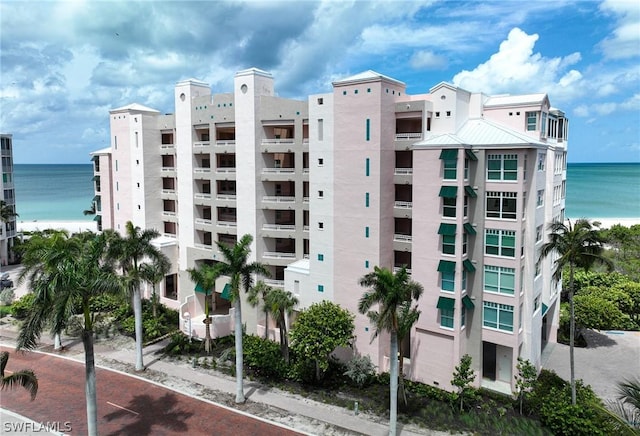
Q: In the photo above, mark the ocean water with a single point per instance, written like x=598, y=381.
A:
x=62, y=192
x=53, y=192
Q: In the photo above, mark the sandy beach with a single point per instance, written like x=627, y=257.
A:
x=70, y=226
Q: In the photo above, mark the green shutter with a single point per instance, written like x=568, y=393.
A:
x=97, y=218
x=446, y=266
x=470, y=154
x=470, y=191
x=468, y=266
x=448, y=191
x=469, y=229
x=468, y=304
x=544, y=309
x=445, y=303
x=449, y=154
x=226, y=292
x=368, y=135
x=447, y=229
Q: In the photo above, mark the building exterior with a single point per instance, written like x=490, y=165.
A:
x=457, y=187
x=8, y=228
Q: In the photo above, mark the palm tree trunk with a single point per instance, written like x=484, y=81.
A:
x=393, y=384
x=137, y=314
x=239, y=357
x=154, y=301
x=90, y=383
x=57, y=342
x=572, y=335
x=403, y=394
x=266, y=324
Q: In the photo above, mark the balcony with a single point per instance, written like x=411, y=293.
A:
x=202, y=147
x=278, y=199
x=278, y=255
x=274, y=283
x=411, y=136
x=402, y=176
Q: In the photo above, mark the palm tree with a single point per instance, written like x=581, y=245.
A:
x=206, y=276
x=577, y=245
x=407, y=317
x=154, y=273
x=236, y=266
x=91, y=210
x=25, y=377
x=258, y=295
x=7, y=212
x=65, y=272
x=389, y=291
x=280, y=304
x=131, y=251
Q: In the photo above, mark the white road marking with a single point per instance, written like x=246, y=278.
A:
x=123, y=408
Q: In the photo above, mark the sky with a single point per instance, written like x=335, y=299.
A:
x=65, y=64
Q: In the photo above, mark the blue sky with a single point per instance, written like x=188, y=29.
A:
x=63, y=65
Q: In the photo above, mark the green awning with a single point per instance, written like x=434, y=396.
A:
x=449, y=191
x=470, y=191
x=468, y=304
x=449, y=154
x=226, y=292
x=97, y=218
x=446, y=266
x=544, y=309
x=446, y=303
x=447, y=229
x=469, y=228
x=470, y=154
x=95, y=157
x=96, y=198
x=200, y=289
x=468, y=266
x=94, y=178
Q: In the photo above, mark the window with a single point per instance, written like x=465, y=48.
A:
x=366, y=232
x=497, y=316
x=532, y=121
x=320, y=161
x=500, y=242
x=464, y=279
x=170, y=287
x=368, y=128
x=540, y=198
x=466, y=206
x=541, y=159
x=539, y=233
x=320, y=101
x=320, y=194
x=450, y=169
x=463, y=316
x=449, y=207
x=366, y=264
x=366, y=167
x=538, y=269
x=366, y=199
x=448, y=244
x=448, y=113
x=502, y=167
x=446, y=318
x=536, y=303
x=321, y=225
x=466, y=168
x=465, y=242
x=320, y=288
x=501, y=205
x=320, y=257
x=448, y=281
x=499, y=279
x=320, y=129
x=543, y=124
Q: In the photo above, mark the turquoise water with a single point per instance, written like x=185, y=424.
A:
x=53, y=192
x=62, y=192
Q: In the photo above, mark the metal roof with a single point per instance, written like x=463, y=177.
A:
x=134, y=107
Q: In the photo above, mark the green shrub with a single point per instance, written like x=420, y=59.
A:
x=360, y=370
x=263, y=357
x=20, y=307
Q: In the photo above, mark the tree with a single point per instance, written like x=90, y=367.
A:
x=131, y=251
x=91, y=210
x=280, y=304
x=318, y=331
x=236, y=265
x=65, y=272
x=463, y=376
x=389, y=291
x=407, y=317
x=7, y=212
x=576, y=245
x=257, y=296
x=206, y=276
x=525, y=379
x=154, y=273
x=25, y=377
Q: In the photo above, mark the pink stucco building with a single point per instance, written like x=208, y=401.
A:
x=456, y=186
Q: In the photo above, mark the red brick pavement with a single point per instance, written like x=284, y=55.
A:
x=126, y=405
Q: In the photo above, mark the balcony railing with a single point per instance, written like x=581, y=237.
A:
x=282, y=141
x=404, y=204
x=202, y=170
x=278, y=255
x=413, y=135
x=274, y=283
x=169, y=213
x=201, y=196
x=278, y=199
x=199, y=144
x=402, y=238
x=168, y=191
x=225, y=142
x=227, y=224
x=167, y=146
x=403, y=171
x=225, y=170
x=278, y=170
x=226, y=197
x=285, y=227
x=204, y=221
x=398, y=268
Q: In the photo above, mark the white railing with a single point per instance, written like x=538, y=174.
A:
x=278, y=227
x=168, y=169
x=202, y=170
x=167, y=146
x=403, y=171
x=278, y=255
x=169, y=213
x=404, y=204
x=278, y=170
x=168, y=191
x=227, y=224
x=413, y=135
x=200, y=144
x=204, y=221
x=305, y=228
x=274, y=283
x=278, y=199
x=397, y=269
x=226, y=197
x=402, y=238
x=201, y=196
x=203, y=246
x=305, y=200
x=277, y=141
x=225, y=142
x=225, y=170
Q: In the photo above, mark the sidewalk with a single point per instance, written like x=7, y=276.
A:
x=302, y=414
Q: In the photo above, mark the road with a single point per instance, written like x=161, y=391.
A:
x=126, y=405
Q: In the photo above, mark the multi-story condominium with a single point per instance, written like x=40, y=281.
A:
x=457, y=187
x=7, y=189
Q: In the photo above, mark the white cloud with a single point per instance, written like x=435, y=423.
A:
x=605, y=108
x=427, y=60
x=624, y=42
x=515, y=68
